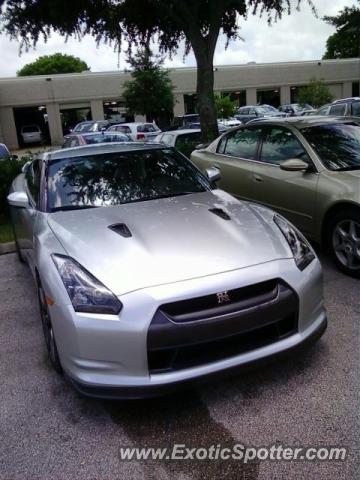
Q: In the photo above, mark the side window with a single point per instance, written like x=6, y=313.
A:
x=241, y=143
x=33, y=180
x=280, y=144
x=338, y=110
x=323, y=110
x=252, y=111
x=244, y=111
x=124, y=129
x=356, y=109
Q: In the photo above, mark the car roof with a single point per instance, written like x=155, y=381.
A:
x=95, y=134
x=131, y=123
x=184, y=131
x=304, y=122
x=346, y=100
x=100, y=149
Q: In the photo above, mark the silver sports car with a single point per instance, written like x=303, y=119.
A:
x=149, y=277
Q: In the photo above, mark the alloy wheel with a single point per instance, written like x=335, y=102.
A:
x=346, y=243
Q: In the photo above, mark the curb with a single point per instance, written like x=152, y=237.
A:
x=9, y=247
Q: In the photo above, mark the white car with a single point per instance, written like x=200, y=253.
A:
x=31, y=134
x=185, y=140
x=138, y=132
x=229, y=122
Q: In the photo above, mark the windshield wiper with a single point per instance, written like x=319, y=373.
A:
x=65, y=208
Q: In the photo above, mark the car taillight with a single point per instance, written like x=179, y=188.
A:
x=140, y=136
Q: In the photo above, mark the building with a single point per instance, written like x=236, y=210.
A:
x=57, y=102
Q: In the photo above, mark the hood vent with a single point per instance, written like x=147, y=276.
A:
x=220, y=213
x=121, y=229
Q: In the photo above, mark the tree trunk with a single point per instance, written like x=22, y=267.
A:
x=205, y=92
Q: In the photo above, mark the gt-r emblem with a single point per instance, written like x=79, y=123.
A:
x=223, y=297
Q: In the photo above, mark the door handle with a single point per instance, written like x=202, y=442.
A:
x=257, y=178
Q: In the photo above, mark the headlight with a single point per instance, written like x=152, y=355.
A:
x=86, y=293
x=300, y=247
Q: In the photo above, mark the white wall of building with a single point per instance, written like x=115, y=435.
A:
x=59, y=91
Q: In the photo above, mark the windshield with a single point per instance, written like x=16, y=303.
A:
x=261, y=110
x=269, y=108
x=121, y=177
x=146, y=128
x=83, y=127
x=338, y=145
x=106, y=137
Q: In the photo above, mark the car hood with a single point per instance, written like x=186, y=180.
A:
x=171, y=240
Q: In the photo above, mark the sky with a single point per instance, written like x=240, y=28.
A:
x=300, y=36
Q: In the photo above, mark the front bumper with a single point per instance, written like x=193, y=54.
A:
x=107, y=356
x=157, y=388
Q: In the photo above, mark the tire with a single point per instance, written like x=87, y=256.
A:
x=343, y=241
x=48, y=331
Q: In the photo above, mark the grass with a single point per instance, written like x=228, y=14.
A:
x=6, y=233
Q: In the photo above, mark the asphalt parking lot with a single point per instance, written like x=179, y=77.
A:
x=47, y=431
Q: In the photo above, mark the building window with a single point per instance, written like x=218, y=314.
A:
x=190, y=101
x=268, y=97
x=355, y=89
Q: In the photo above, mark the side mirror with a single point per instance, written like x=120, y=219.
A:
x=26, y=167
x=294, y=165
x=213, y=174
x=18, y=199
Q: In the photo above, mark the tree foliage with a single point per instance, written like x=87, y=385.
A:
x=196, y=24
x=345, y=42
x=315, y=94
x=150, y=92
x=53, y=64
x=224, y=106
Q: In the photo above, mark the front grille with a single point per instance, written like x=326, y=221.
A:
x=194, y=309
x=198, y=331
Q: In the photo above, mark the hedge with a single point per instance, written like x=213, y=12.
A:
x=9, y=169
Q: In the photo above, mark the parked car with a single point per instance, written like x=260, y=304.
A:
x=344, y=107
x=229, y=122
x=295, y=109
x=31, y=134
x=184, y=120
x=149, y=278
x=91, y=126
x=251, y=112
x=269, y=108
x=91, y=138
x=4, y=152
x=197, y=126
x=306, y=168
x=138, y=132
x=183, y=140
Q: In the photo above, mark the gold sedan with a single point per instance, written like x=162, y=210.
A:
x=306, y=168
